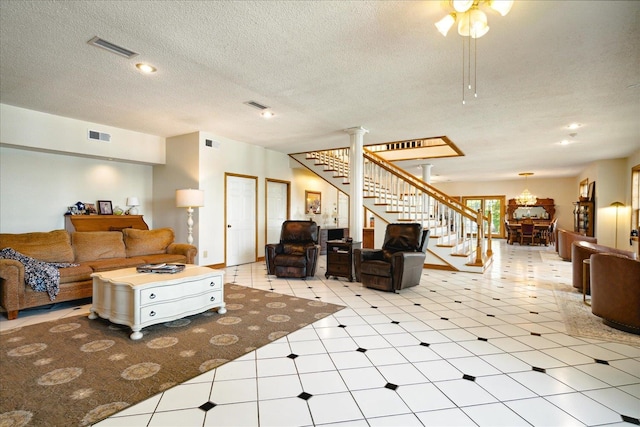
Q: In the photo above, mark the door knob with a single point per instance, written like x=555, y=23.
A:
x=228, y=225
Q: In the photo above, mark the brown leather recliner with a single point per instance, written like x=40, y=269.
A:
x=566, y=238
x=297, y=253
x=615, y=291
x=398, y=265
x=581, y=250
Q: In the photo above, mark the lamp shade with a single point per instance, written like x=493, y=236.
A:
x=133, y=201
x=445, y=24
x=474, y=24
x=189, y=198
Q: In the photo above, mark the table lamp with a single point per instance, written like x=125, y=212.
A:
x=133, y=203
x=189, y=198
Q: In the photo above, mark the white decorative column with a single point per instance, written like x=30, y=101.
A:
x=426, y=172
x=356, y=166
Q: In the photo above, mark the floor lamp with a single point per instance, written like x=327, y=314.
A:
x=189, y=198
x=617, y=205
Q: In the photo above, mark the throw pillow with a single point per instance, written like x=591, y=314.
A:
x=147, y=242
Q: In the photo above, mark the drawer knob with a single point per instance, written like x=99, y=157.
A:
x=153, y=313
x=152, y=296
x=212, y=284
x=212, y=299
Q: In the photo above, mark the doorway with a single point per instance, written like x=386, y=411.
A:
x=278, y=209
x=240, y=219
x=493, y=204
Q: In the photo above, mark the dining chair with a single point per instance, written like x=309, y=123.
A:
x=527, y=231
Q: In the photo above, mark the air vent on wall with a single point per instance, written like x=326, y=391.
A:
x=113, y=48
x=99, y=136
x=211, y=143
x=256, y=105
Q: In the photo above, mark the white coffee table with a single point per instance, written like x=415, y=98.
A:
x=127, y=297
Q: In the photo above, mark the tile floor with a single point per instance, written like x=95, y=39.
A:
x=461, y=349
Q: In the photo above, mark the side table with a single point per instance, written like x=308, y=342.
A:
x=586, y=271
x=340, y=259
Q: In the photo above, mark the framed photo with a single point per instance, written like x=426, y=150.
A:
x=313, y=202
x=592, y=191
x=105, y=207
x=90, y=208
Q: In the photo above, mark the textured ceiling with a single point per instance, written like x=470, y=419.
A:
x=324, y=66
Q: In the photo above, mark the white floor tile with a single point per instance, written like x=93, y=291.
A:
x=540, y=383
x=334, y=408
x=494, y=414
x=225, y=392
x=284, y=412
x=454, y=417
x=322, y=382
x=424, y=397
x=617, y=400
x=540, y=412
x=236, y=414
x=584, y=409
x=465, y=392
x=279, y=387
x=182, y=417
x=380, y=402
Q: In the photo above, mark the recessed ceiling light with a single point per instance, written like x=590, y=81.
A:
x=564, y=142
x=267, y=114
x=146, y=68
x=574, y=126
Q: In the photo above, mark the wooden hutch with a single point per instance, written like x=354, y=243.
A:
x=543, y=210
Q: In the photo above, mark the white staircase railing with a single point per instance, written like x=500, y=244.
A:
x=394, y=191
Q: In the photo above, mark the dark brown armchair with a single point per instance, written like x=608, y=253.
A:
x=297, y=253
x=398, y=265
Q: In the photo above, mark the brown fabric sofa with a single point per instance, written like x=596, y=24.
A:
x=581, y=250
x=93, y=251
x=615, y=291
x=566, y=238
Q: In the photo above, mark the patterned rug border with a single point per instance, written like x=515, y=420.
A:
x=580, y=322
x=28, y=361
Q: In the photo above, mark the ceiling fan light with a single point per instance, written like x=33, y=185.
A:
x=445, y=24
x=501, y=6
x=474, y=24
x=461, y=5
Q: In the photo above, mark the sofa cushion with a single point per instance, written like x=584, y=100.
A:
x=75, y=274
x=147, y=242
x=52, y=246
x=112, y=264
x=97, y=245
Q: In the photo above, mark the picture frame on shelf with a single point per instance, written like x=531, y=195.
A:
x=592, y=191
x=313, y=202
x=105, y=207
x=90, y=209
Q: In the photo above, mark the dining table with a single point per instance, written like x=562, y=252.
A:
x=541, y=231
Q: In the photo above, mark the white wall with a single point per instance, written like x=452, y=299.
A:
x=46, y=132
x=36, y=188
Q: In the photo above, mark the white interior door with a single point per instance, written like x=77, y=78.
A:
x=241, y=219
x=277, y=209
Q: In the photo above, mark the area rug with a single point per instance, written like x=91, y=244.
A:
x=76, y=371
x=581, y=322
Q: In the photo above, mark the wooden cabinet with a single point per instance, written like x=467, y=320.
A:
x=368, y=238
x=584, y=218
x=332, y=233
x=543, y=209
x=103, y=222
x=340, y=259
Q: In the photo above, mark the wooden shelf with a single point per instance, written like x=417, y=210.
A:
x=103, y=222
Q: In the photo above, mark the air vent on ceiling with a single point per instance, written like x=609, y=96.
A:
x=113, y=48
x=256, y=105
x=94, y=135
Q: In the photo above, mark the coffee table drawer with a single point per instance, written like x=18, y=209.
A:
x=169, y=310
x=158, y=294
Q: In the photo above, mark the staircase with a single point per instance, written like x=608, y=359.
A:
x=394, y=195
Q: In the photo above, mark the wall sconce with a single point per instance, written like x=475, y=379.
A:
x=189, y=198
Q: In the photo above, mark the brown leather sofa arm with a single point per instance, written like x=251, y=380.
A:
x=313, y=253
x=615, y=291
x=270, y=252
x=566, y=238
x=11, y=286
x=359, y=255
x=189, y=251
x=407, y=268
